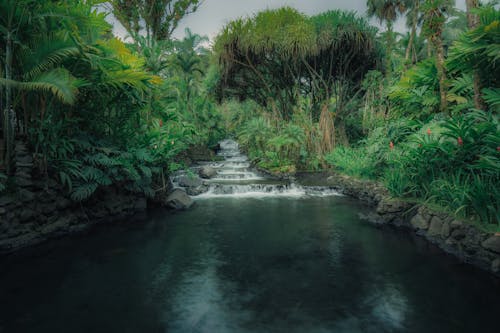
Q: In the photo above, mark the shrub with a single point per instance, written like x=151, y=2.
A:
x=352, y=161
x=456, y=164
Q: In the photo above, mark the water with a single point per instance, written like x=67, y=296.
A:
x=236, y=178
x=246, y=263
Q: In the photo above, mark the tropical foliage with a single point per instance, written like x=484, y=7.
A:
x=409, y=120
x=416, y=111
x=95, y=111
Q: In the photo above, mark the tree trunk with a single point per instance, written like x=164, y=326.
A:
x=472, y=19
x=441, y=70
x=327, y=129
x=388, y=64
x=8, y=132
x=413, y=32
x=473, y=22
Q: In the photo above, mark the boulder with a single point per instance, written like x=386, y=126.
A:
x=445, y=230
x=178, y=200
x=186, y=181
x=24, y=159
x=26, y=196
x=492, y=244
x=419, y=222
x=140, y=204
x=207, y=172
x=60, y=226
x=194, y=191
x=192, y=185
x=435, y=227
x=456, y=224
x=6, y=200
x=62, y=203
x=495, y=266
x=458, y=234
x=389, y=205
x=26, y=214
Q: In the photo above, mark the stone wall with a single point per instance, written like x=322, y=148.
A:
x=454, y=236
x=38, y=210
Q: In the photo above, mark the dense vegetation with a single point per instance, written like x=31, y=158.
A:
x=96, y=111
x=417, y=111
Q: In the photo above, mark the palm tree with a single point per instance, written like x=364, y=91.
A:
x=473, y=22
x=187, y=61
x=13, y=21
x=155, y=19
x=435, y=15
x=413, y=18
x=387, y=11
x=477, y=50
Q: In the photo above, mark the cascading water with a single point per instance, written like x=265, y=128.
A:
x=236, y=178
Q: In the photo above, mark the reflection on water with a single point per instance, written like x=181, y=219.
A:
x=245, y=265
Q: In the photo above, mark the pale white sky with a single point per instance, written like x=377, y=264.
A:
x=214, y=14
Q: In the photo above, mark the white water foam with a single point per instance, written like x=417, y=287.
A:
x=234, y=179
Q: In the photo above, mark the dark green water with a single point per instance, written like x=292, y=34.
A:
x=246, y=265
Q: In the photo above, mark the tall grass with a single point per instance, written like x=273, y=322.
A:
x=352, y=161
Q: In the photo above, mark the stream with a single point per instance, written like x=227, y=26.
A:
x=253, y=255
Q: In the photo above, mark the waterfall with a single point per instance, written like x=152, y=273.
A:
x=236, y=178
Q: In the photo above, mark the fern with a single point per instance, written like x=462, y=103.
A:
x=492, y=97
x=83, y=191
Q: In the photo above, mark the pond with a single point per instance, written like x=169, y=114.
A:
x=295, y=260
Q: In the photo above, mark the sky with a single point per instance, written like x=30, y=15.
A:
x=212, y=15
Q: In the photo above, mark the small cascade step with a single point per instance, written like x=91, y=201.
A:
x=237, y=175
x=235, y=178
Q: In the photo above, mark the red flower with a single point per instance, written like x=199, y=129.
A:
x=429, y=131
x=391, y=145
x=460, y=141
x=498, y=148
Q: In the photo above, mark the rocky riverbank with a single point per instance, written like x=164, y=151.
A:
x=36, y=214
x=38, y=210
x=459, y=238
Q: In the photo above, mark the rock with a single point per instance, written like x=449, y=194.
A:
x=48, y=209
x=196, y=190
x=458, y=234
x=23, y=173
x=6, y=200
x=141, y=204
x=26, y=196
x=419, y=222
x=26, y=214
x=495, y=266
x=60, y=226
x=200, y=153
x=387, y=205
x=474, y=236
x=470, y=248
x=99, y=212
x=492, y=244
x=435, y=227
x=455, y=224
x=63, y=203
x=445, y=230
x=24, y=182
x=186, y=181
x=207, y=172
x=178, y=200
x=26, y=159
